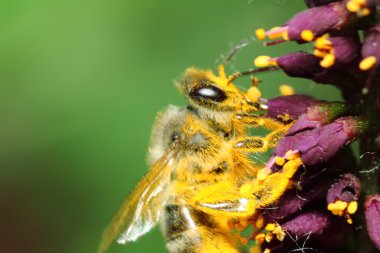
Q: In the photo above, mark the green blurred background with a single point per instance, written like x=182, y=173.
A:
x=81, y=82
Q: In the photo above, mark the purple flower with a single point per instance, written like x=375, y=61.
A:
x=372, y=214
x=293, y=201
x=293, y=106
x=305, y=65
x=311, y=23
x=371, y=49
x=346, y=189
x=337, y=51
x=319, y=144
x=342, y=196
x=307, y=229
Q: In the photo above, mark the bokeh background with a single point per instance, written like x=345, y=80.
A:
x=81, y=83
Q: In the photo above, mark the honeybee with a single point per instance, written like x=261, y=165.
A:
x=200, y=174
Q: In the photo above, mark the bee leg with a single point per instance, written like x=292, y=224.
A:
x=255, y=144
x=256, y=121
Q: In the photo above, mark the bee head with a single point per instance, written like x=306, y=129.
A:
x=207, y=92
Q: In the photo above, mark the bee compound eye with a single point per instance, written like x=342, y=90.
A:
x=208, y=93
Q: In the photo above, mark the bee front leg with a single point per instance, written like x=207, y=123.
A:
x=256, y=121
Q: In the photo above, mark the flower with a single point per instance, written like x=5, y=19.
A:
x=371, y=49
x=292, y=106
x=322, y=195
x=372, y=214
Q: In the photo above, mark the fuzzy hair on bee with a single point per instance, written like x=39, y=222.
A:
x=201, y=176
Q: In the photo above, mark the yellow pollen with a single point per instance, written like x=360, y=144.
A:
x=285, y=35
x=231, y=224
x=268, y=237
x=349, y=221
x=364, y=12
x=280, y=161
x=270, y=226
x=286, y=90
x=307, y=35
x=260, y=238
x=328, y=61
x=266, y=251
x=262, y=174
x=361, y=2
x=260, y=223
x=291, y=155
x=319, y=53
x=244, y=241
x=253, y=94
x=255, y=249
x=323, y=43
x=359, y=7
x=352, y=207
x=352, y=6
x=262, y=61
x=260, y=34
x=246, y=189
x=280, y=234
x=367, y=63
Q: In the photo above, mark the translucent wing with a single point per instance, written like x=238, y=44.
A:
x=140, y=212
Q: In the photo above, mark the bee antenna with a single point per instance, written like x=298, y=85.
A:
x=236, y=75
x=234, y=51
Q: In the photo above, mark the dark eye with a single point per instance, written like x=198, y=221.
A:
x=208, y=92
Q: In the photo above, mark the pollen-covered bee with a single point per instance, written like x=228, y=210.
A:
x=201, y=176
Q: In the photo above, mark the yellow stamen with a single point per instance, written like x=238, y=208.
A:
x=268, y=237
x=328, y=61
x=323, y=43
x=262, y=61
x=291, y=155
x=266, y=251
x=260, y=223
x=280, y=161
x=352, y=6
x=367, y=63
x=307, y=35
x=260, y=238
x=349, y=221
x=361, y=2
x=262, y=174
x=286, y=90
x=280, y=234
x=270, y=226
x=319, y=53
x=359, y=7
x=352, y=207
x=273, y=34
x=253, y=94
x=364, y=12
x=285, y=35
x=260, y=34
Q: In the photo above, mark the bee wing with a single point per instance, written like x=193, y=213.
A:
x=140, y=212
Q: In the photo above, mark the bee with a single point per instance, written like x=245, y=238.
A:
x=200, y=173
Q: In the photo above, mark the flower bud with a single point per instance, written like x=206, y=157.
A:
x=319, y=20
x=372, y=215
x=371, y=49
x=320, y=143
x=293, y=106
